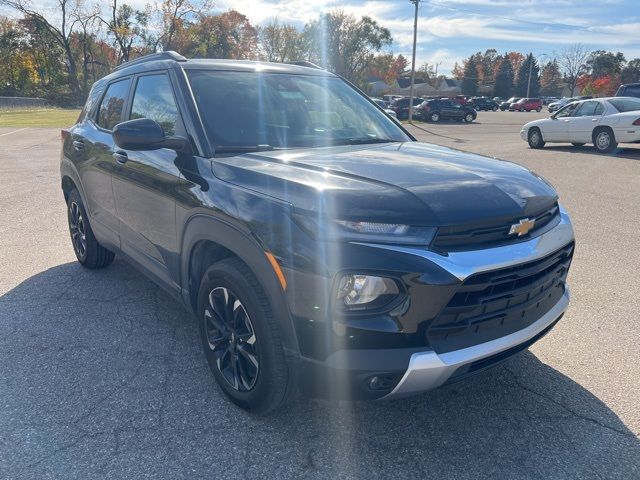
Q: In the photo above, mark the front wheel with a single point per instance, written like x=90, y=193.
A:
x=494, y=108
x=604, y=140
x=538, y=109
x=535, y=138
x=240, y=338
x=89, y=252
x=468, y=118
x=434, y=117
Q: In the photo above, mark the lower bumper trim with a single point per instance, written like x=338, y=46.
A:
x=428, y=370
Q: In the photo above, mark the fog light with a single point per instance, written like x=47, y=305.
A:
x=363, y=289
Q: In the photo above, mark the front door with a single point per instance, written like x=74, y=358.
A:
x=557, y=129
x=583, y=120
x=145, y=182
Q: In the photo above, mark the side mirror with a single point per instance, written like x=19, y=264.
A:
x=145, y=134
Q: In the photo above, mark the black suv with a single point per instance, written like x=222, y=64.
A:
x=445, y=109
x=483, y=103
x=316, y=242
x=401, y=107
x=629, y=90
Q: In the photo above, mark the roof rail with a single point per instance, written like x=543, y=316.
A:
x=168, y=55
x=304, y=63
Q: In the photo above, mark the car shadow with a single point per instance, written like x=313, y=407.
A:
x=103, y=375
x=630, y=153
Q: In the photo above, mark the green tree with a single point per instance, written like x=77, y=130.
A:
x=602, y=63
x=529, y=68
x=470, y=80
x=503, y=86
x=345, y=44
x=282, y=43
x=631, y=72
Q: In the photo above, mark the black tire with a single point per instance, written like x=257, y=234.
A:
x=88, y=250
x=260, y=387
x=468, y=118
x=604, y=140
x=577, y=144
x=538, y=109
x=434, y=117
x=534, y=137
x=494, y=108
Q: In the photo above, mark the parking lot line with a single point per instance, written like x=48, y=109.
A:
x=15, y=131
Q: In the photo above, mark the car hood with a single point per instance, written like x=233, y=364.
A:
x=420, y=183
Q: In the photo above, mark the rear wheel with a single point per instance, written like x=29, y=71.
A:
x=89, y=252
x=494, y=108
x=604, y=140
x=535, y=138
x=241, y=339
x=538, y=109
x=468, y=118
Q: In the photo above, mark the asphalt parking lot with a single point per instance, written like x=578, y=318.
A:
x=102, y=375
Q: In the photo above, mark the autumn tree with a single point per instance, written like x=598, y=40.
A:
x=227, y=35
x=457, y=71
x=282, y=43
x=516, y=59
x=551, y=79
x=387, y=67
x=127, y=26
x=345, y=44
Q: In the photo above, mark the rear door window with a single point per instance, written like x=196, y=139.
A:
x=112, y=105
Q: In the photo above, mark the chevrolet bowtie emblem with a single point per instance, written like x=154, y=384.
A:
x=522, y=227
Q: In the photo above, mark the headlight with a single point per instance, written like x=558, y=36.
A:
x=365, y=231
x=361, y=291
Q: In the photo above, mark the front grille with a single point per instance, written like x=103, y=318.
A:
x=490, y=305
x=469, y=237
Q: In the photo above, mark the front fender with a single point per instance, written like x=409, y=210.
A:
x=246, y=247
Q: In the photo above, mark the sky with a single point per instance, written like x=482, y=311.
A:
x=451, y=30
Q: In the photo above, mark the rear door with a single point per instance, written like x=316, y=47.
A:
x=145, y=182
x=92, y=140
x=583, y=120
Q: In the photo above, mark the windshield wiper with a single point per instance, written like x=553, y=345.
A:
x=242, y=148
x=365, y=140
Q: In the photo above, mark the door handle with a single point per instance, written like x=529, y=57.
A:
x=78, y=145
x=594, y=119
x=121, y=157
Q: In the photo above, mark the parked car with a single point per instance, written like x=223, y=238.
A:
x=483, y=103
x=383, y=105
x=629, y=90
x=461, y=99
x=526, y=105
x=605, y=122
x=555, y=106
x=401, y=107
x=391, y=98
x=317, y=244
x=436, y=110
x=548, y=100
x=505, y=105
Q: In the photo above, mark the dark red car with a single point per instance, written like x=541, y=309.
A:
x=526, y=104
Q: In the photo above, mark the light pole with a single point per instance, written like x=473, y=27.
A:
x=413, y=58
x=531, y=67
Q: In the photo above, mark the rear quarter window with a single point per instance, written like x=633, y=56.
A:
x=625, y=104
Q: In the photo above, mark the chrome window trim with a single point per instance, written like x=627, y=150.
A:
x=466, y=263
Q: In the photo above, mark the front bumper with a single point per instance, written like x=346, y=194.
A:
x=428, y=370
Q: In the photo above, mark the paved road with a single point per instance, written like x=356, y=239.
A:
x=101, y=375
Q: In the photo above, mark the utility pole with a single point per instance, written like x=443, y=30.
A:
x=416, y=3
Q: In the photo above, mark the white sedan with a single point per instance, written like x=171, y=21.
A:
x=605, y=122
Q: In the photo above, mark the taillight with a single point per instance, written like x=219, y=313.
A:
x=636, y=123
x=64, y=133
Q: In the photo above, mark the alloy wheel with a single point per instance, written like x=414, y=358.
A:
x=77, y=228
x=231, y=338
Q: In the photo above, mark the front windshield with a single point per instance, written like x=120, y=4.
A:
x=247, y=110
